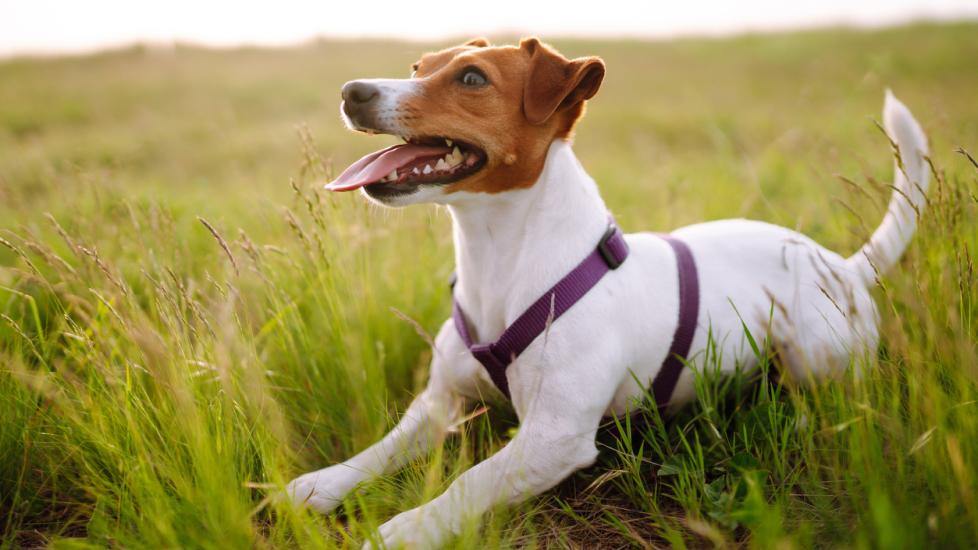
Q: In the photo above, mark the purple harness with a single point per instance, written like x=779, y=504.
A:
x=611, y=252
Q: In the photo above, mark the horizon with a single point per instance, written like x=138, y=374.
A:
x=45, y=29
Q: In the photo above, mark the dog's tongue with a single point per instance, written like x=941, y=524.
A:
x=376, y=165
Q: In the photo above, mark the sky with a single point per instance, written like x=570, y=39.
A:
x=60, y=26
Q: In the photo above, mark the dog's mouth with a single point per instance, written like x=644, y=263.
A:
x=418, y=161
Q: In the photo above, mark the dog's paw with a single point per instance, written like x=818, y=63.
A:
x=416, y=529
x=322, y=490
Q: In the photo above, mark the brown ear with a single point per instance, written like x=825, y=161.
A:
x=478, y=42
x=554, y=82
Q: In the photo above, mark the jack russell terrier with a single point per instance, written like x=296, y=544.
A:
x=554, y=308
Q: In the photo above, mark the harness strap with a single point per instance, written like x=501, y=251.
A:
x=610, y=253
x=496, y=356
x=689, y=307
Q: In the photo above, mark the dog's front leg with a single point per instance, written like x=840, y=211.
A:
x=551, y=444
x=426, y=420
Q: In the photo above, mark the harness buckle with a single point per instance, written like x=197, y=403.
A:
x=613, y=252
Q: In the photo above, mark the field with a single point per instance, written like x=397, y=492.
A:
x=187, y=321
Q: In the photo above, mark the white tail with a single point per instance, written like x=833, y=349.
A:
x=890, y=239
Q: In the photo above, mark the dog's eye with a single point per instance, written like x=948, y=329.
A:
x=473, y=78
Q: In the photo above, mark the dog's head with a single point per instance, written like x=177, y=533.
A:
x=474, y=118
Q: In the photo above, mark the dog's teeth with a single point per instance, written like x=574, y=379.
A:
x=415, y=171
x=448, y=142
x=427, y=169
x=456, y=156
x=393, y=174
x=441, y=165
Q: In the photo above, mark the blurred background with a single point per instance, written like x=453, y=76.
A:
x=187, y=320
x=51, y=26
x=146, y=98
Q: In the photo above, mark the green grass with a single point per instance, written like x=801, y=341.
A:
x=155, y=389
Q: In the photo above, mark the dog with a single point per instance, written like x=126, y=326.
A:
x=487, y=133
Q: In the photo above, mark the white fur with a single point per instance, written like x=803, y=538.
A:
x=511, y=247
x=387, y=111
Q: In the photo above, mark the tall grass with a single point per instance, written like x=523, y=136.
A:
x=187, y=321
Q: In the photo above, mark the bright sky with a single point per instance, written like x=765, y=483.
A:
x=50, y=26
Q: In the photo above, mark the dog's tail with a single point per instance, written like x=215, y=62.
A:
x=890, y=239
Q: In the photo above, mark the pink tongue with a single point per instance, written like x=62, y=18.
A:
x=376, y=165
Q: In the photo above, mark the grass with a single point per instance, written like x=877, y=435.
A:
x=187, y=321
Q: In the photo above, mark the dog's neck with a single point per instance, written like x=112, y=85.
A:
x=512, y=247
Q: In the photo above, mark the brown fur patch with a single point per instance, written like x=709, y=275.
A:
x=534, y=96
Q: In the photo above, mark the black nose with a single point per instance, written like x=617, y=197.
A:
x=359, y=93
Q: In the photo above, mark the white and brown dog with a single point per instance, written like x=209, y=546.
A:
x=487, y=133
